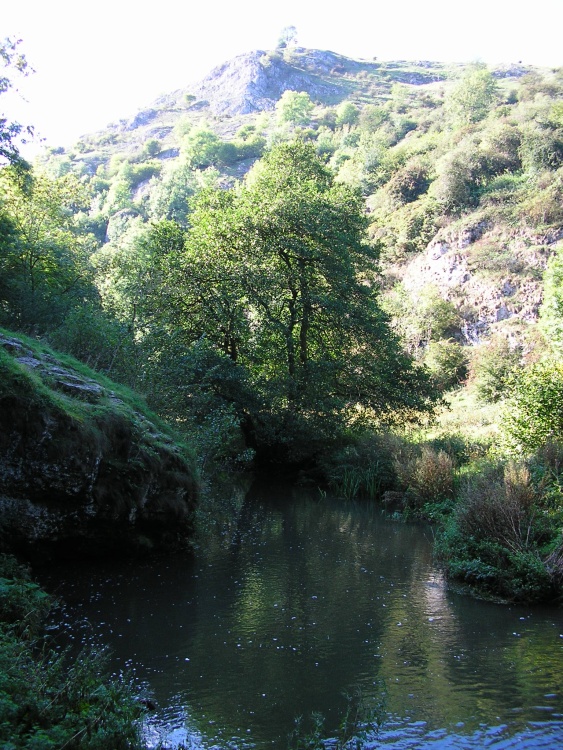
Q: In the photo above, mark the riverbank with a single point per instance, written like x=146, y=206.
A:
x=498, y=514
x=50, y=698
x=86, y=469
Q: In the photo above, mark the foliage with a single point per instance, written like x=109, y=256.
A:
x=51, y=698
x=447, y=362
x=288, y=35
x=426, y=318
x=426, y=477
x=495, y=538
x=360, y=723
x=533, y=415
x=363, y=467
x=44, y=257
x=473, y=97
x=294, y=108
x=278, y=276
x=13, y=62
x=541, y=148
x=410, y=181
x=201, y=148
x=347, y=114
x=492, y=365
x=551, y=312
x=96, y=338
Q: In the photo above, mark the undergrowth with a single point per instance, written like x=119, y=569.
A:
x=50, y=698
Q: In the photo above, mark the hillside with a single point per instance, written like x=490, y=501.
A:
x=462, y=188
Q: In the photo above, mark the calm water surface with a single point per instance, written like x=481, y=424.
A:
x=304, y=599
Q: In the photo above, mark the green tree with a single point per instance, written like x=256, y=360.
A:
x=288, y=35
x=171, y=193
x=12, y=61
x=491, y=368
x=347, y=114
x=200, y=148
x=44, y=257
x=279, y=276
x=294, y=108
x=534, y=413
x=474, y=95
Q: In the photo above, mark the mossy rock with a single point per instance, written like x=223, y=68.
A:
x=85, y=469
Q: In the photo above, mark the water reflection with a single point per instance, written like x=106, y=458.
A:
x=305, y=599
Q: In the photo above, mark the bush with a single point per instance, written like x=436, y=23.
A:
x=494, y=539
x=427, y=477
x=491, y=368
x=500, y=508
x=473, y=96
x=363, y=468
x=541, y=148
x=447, y=363
x=347, y=114
x=410, y=181
x=534, y=413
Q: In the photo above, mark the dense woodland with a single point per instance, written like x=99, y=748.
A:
x=251, y=276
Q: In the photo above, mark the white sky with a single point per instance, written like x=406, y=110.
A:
x=100, y=60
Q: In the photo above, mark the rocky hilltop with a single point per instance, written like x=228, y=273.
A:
x=251, y=83
x=82, y=470
x=254, y=82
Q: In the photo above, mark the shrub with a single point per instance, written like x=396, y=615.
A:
x=51, y=699
x=408, y=229
x=491, y=368
x=541, y=148
x=554, y=564
x=427, y=477
x=410, y=181
x=493, y=540
x=447, y=363
x=500, y=508
x=363, y=468
x=347, y=114
x=473, y=96
x=533, y=415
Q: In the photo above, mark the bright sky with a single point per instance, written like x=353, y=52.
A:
x=98, y=61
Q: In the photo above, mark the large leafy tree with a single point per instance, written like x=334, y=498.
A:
x=278, y=276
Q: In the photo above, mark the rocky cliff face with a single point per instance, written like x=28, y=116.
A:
x=493, y=276
x=81, y=471
x=255, y=81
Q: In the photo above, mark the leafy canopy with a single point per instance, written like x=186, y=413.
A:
x=278, y=276
x=12, y=61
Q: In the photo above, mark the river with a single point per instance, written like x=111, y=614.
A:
x=303, y=599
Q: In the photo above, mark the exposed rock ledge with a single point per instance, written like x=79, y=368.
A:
x=82, y=471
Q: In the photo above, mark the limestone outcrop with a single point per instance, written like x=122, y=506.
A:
x=82, y=471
